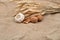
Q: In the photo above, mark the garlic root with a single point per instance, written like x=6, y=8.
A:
x=19, y=17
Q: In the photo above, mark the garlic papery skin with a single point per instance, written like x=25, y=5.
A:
x=19, y=17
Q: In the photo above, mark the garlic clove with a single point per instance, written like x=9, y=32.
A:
x=19, y=17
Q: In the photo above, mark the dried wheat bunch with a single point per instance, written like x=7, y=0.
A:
x=33, y=12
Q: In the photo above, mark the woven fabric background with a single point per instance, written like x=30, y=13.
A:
x=48, y=29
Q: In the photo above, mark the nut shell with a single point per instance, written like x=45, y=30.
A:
x=27, y=20
x=40, y=17
x=34, y=19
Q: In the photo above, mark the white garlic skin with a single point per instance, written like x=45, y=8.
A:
x=19, y=17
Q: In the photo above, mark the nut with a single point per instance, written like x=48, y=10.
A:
x=27, y=20
x=40, y=17
x=34, y=19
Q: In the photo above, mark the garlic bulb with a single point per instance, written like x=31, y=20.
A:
x=19, y=17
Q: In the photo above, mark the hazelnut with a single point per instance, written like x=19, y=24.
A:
x=27, y=20
x=34, y=19
x=40, y=17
